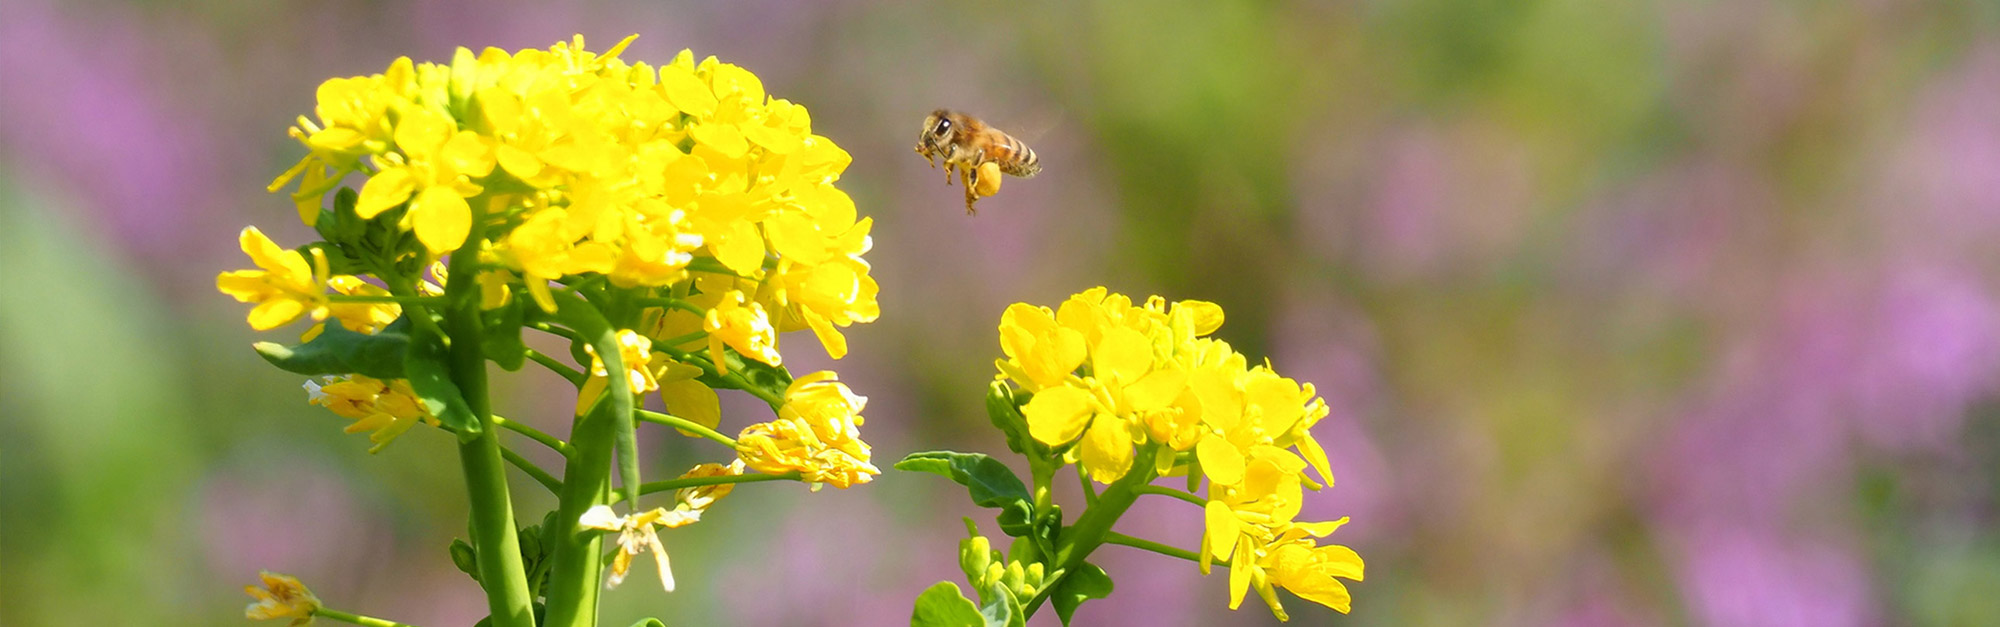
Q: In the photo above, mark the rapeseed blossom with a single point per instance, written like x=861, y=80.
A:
x=1109, y=376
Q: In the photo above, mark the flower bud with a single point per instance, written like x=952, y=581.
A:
x=974, y=554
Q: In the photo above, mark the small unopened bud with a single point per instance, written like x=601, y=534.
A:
x=974, y=555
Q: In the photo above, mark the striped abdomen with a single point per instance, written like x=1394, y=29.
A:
x=1015, y=158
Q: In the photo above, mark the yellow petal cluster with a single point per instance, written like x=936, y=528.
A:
x=817, y=434
x=281, y=596
x=1117, y=374
x=285, y=286
x=359, y=317
x=385, y=409
x=636, y=352
x=583, y=163
x=1108, y=375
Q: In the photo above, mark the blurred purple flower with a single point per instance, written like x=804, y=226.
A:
x=1739, y=576
x=1334, y=348
x=1941, y=187
x=88, y=112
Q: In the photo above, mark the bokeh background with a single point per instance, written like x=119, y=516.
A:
x=1629, y=312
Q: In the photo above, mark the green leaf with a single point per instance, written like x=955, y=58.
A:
x=424, y=366
x=1085, y=583
x=1001, y=608
x=340, y=351
x=501, y=336
x=990, y=482
x=942, y=605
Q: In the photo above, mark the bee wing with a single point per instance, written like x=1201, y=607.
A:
x=1038, y=123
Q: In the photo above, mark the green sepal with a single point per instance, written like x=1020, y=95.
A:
x=759, y=375
x=501, y=336
x=340, y=351
x=1047, y=525
x=1084, y=583
x=424, y=366
x=465, y=558
x=990, y=483
x=1025, y=550
x=1005, y=413
x=1001, y=609
x=943, y=605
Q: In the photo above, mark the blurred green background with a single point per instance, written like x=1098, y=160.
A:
x=1629, y=312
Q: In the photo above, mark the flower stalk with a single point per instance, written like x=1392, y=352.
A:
x=493, y=535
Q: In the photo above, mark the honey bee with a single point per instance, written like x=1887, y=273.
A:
x=977, y=153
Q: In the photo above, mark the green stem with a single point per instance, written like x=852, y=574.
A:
x=1089, y=491
x=651, y=487
x=561, y=369
x=366, y=621
x=432, y=301
x=684, y=424
x=555, y=330
x=576, y=562
x=1091, y=529
x=1166, y=491
x=493, y=534
x=606, y=427
x=775, y=401
x=1043, y=474
x=1149, y=545
x=672, y=303
x=534, y=434
x=534, y=472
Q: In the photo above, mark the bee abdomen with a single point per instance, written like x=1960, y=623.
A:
x=1024, y=163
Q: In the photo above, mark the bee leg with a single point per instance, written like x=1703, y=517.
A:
x=968, y=177
x=949, y=169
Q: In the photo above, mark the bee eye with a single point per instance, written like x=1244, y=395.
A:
x=943, y=125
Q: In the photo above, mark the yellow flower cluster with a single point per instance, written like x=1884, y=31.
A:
x=285, y=286
x=817, y=434
x=385, y=409
x=586, y=164
x=281, y=596
x=1111, y=375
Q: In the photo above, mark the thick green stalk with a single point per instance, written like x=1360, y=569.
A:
x=578, y=561
x=493, y=534
x=1092, y=529
x=578, y=557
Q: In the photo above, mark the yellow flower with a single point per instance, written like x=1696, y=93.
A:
x=285, y=288
x=636, y=352
x=691, y=502
x=368, y=318
x=742, y=325
x=282, y=596
x=385, y=409
x=683, y=395
x=636, y=534
x=433, y=167
x=546, y=248
x=1040, y=353
x=817, y=434
x=1251, y=526
x=1308, y=570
